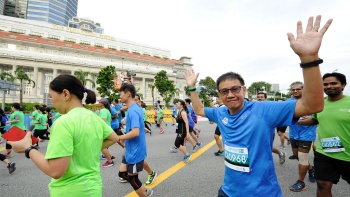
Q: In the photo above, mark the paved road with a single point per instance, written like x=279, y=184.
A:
x=201, y=177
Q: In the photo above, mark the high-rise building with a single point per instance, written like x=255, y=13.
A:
x=52, y=11
x=2, y=6
x=16, y=8
x=86, y=25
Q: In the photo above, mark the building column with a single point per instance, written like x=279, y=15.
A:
x=144, y=88
x=14, y=67
x=54, y=74
x=35, y=81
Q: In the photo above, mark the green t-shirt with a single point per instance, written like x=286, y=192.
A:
x=334, y=129
x=18, y=115
x=145, y=117
x=104, y=113
x=160, y=113
x=42, y=119
x=34, y=115
x=79, y=135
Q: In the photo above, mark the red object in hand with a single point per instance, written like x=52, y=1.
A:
x=16, y=134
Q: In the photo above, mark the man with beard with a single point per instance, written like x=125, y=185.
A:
x=332, y=155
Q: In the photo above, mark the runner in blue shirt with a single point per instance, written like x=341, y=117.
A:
x=247, y=127
x=173, y=115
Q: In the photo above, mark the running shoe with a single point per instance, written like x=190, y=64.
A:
x=102, y=157
x=298, y=186
x=149, y=192
x=312, y=175
x=12, y=167
x=282, y=147
x=108, y=164
x=187, y=158
x=199, y=144
x=288, y=142
x=122, y=180
x=195, y=148
x=219, y=153
x=282, y=158
x=151, y=178
x=173, y=150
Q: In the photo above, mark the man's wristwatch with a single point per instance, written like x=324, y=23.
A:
x=26, y=153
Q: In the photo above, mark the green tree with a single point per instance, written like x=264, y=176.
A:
x=187, y=92
x=22, y=77
x=7, y=76
x=165, y=87
x=83, y=77
x=139, y=93
x=105, y=79
x=152, y=86
x=258, y=87
x=208, y=86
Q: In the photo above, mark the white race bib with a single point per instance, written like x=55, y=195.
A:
x=332, y=145
x=237, y=158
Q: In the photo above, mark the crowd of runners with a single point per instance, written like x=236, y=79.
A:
x=80, y=138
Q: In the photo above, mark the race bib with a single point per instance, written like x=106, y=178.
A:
x=177, y=125
x=237, y=158
x=332, y=145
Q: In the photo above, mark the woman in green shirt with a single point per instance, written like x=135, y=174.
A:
x=16, y=119
x=76, y=140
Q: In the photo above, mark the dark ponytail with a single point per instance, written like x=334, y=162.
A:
x=74, y=86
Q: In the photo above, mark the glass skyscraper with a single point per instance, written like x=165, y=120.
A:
x=58, y=12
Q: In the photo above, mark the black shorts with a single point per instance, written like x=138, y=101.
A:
x=133, y=168
x=281, y=129
x=300, y=144
x=118, y=131
x=330, y=169
x=180, y=139
x=217, y=131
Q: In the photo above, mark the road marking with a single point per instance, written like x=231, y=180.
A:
x=166, y=174
x=2, y=148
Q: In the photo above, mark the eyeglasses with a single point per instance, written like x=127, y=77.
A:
x=296, y=89
x=233, y=90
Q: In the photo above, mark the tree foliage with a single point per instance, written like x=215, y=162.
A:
x=207, y=88
x=105, y=79
x=165, y=87
x=7, y=76
x=22, y=77
x=152, y=86
x=259, y=87
x=83, y=77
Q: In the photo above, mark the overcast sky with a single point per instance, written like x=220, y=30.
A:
x=248, y=37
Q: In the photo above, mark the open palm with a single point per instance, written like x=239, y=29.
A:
x=191, y=78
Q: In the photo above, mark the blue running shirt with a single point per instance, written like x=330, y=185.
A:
x=135, y=149
x=247, y=136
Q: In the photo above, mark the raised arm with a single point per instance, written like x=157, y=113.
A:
x=306, y=46
x=191, y=79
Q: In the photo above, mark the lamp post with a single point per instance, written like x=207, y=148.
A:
x=122, y=64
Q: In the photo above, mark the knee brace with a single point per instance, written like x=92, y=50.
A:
x=134, y=181
x=123, y=175
x=303, y=158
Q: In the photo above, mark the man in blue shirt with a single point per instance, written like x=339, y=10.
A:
x=173, y=116
x=247, y=127
x=301, y=142
x=135, y=141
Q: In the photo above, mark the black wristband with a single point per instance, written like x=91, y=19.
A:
x=311, y=64
x=192, y=89
x=26, y=153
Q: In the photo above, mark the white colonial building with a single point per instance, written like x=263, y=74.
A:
x=46, y=50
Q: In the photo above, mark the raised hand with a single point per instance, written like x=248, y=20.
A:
x=307, y=44
x=191, y=78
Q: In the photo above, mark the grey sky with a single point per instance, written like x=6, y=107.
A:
x=248, y=37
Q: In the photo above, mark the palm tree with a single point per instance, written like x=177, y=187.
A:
x=82, y=76
x=7, y=77
x=22, y=76
x=140, y=94
x=152, y=86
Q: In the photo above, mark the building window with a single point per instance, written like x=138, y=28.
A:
x=54, y=37
x=27, y=88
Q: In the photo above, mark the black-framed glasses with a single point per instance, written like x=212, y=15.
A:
x=233, y=90
x=296, y=89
